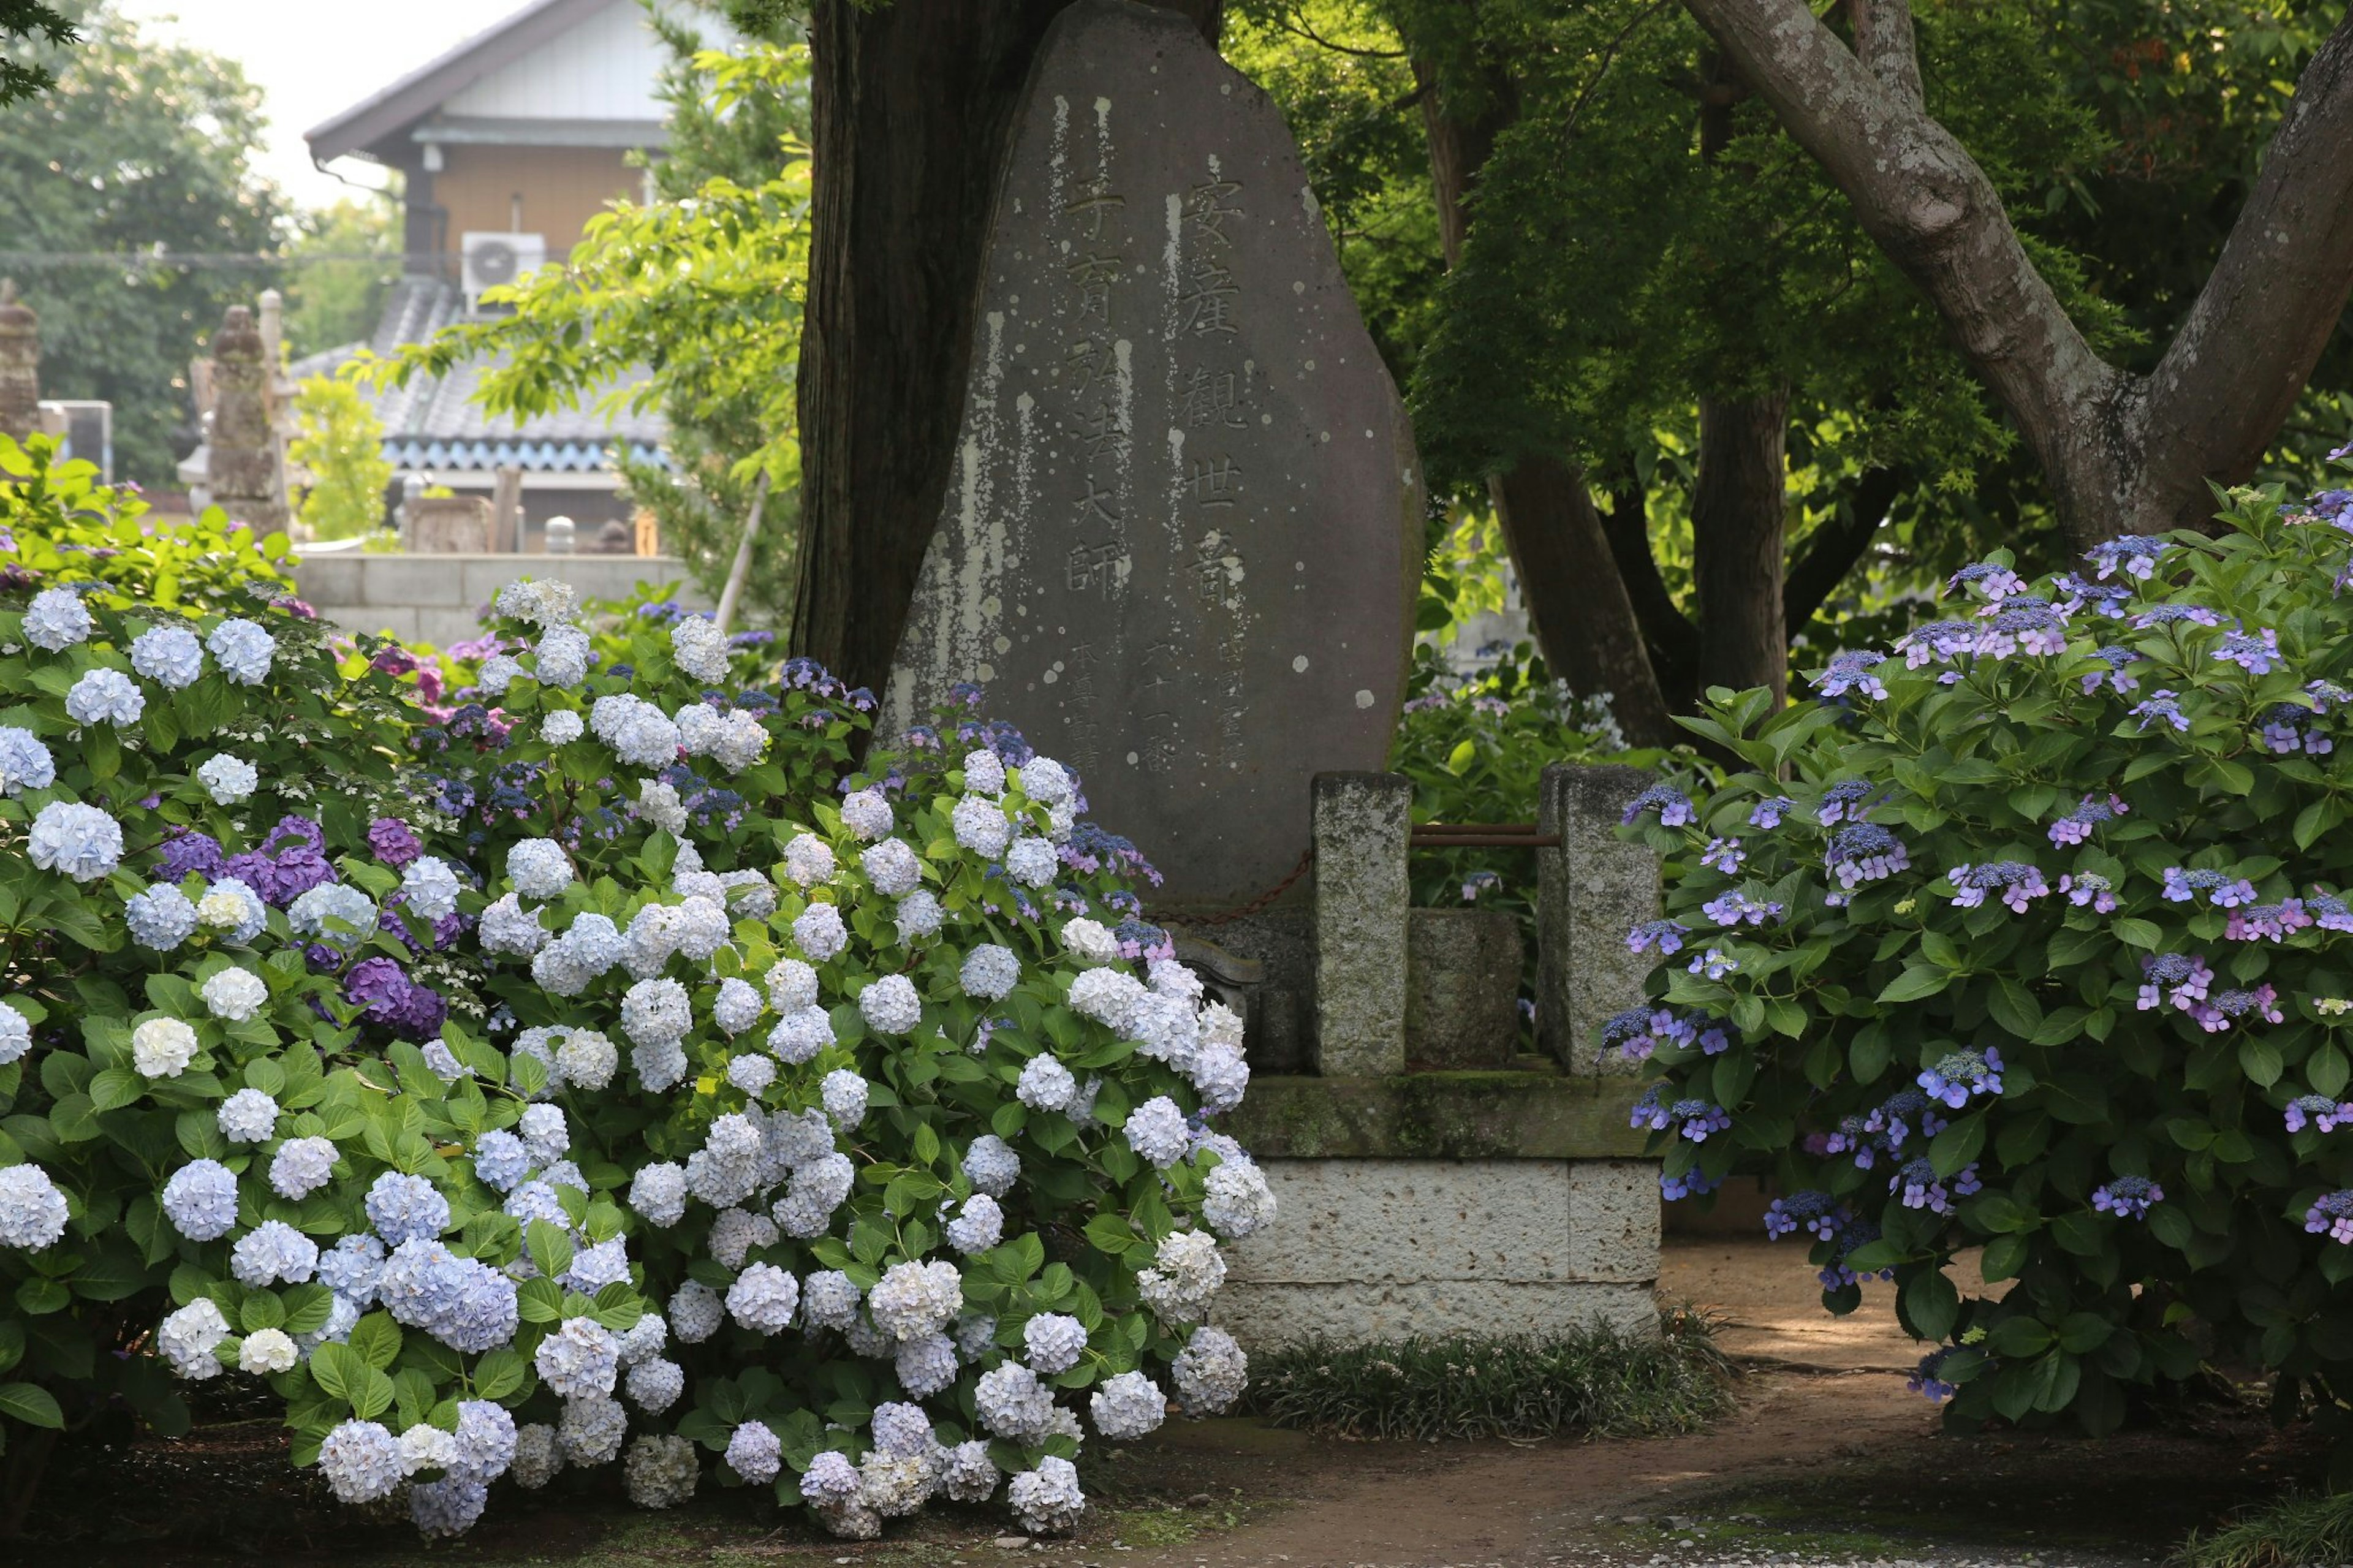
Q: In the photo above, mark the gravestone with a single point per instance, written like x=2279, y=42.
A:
x=1183, y=532
x=244, y=473
x=20, y=366
x=446, y=525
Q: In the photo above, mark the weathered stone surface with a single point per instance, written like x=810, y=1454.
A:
x=1440, y=1115
x=1591, y=890
x=244, y=450
x=1266, y=1316
x=1181, y=539
x=1362, y=822
x=437, y=599
x=1462, y=987
x=1279, y=1012
x=1384, y=1248
x=446, y=525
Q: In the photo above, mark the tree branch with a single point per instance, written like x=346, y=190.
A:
x=1669, y=638
x=2237, y=364
x=1837, y=544
x=1883, y=41
x=1928, y=206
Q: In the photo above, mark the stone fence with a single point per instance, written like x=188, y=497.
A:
x=1510, y=1200
x=438, y=599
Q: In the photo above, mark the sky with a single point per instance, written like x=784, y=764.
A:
x=312, y=59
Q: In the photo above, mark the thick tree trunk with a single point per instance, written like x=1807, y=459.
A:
x=909, y=109
x=1739, y=510
x=1583, y=621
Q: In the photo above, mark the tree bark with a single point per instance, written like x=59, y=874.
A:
x=1567, y=574
x=910, y=105
x=2121, y=452
x=1577, y=602
x=1837, y=544
x=1667, y=633
x=1739, y=511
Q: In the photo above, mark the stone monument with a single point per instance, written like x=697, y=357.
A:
x=244, y=477
x=1182, y=533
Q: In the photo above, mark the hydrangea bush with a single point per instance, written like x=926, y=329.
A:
x=645, y=1089
x=2029, y=935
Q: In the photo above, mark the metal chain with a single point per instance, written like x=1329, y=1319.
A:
x=1243, y=912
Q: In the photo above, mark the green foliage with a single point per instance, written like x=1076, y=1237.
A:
x=141, y=146
x=332, y=299
x=1592, y=1383
x=75, y=1314
x=703, y=288
x=20, y=21
x=340, y=441
x=2284, y=1533
x=2066, y=960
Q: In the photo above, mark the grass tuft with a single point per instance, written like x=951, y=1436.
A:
x=1596, y=1382
x=2283, y=1533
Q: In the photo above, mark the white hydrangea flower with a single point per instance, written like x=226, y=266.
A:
x=1127, y=1406
x=809, y=860
x=990, y=972
x=235, y=995
x=695, y=1313
x=498, y=672
x=562, y=656
x=971, y=1473
x=15, y=1032
x=659, y=803
x=737, y=1006
x=918, y=914
x=792, y=985
x=249, y=1116
x=243, y=650
x=580, y=1357
x=1090, y=940
x=1046, y=781
x=587, y=1059
x=1186, y=1271
x=1236, y=1201
x=699, y=648
x=1171, y=978
x=658, y=1192
x=424, y=1446
x=764, y=1298
x=913, y=1299
x=56, y=619
x=736, y=1231
x=591, y=1430
x=656, y=1012
x=867, y=812
x=1155, y=1129
x=978, y=1226
x=752, y=1073
x=1045, y=1084
x=1109, y=996
x=163, y=1047
x=1032, y=862
x=644, y=1340
x=661, y=1470
x=1221, y=1075
x=893, y=867
x=1221, y=1025
x=562, y=727
x=820, y=934
x=361, y=1461
x=301, y=1166
x=25, y=763
x=105, y=697
x=539, y=868
x=429, y=888
x=984, y=773
x=267, y=1350
x=799, y=1035
x=991, y=1165
x=980, y=826
x=655, y=1384
x=891, y=1005
x=659, y=1068
x=1211, y=1372
x=538, y=1455
x=754, y=1453
x=1053, y=1342
x=227, y=779
x=1012, y=1404
x=844, y=1093
x=188, y=1337
x=74, y=840
x=33, y=1213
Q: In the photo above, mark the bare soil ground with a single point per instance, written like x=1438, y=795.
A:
x=1827, y=1459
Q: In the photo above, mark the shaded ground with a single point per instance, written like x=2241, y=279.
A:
x=1827, y=1460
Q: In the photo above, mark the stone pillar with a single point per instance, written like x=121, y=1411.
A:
x=1591, y=890
x=20, y=363
x=244, y=447
x=1361, y=824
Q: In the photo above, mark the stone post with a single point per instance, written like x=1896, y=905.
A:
x=20, y=363
x=1361, y=822
x=1590, y=891
x=244, y=447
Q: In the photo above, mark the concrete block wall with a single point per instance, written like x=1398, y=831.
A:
x=437, y=599
x=1370, y=1249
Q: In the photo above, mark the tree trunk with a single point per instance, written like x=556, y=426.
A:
x=1739, y=510
x=910, y=105
x=1583, y=621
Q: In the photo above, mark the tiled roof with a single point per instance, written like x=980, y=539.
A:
x=434, y=422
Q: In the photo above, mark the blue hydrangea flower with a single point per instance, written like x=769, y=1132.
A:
x=160, y=918
x=1692, y=1184
x=200, y=1200
x=75, y=840
x=1714, y=963
x=405, y=1209
x=2077, y=826
x=1853, y=671
x=168, y=655
x=1865, y=852
x=1924, y=1380
x=1767, y=815
x=1667, y=936
x=1938, y=642
x=2019, y=883
x=1723, y=855
x=273, y=1252
x=2256, y=652
x=243, y=649
x=352, y=1268
x=333, y=913
x=2116, y=658
x=57, y=619
x=25, y=763
x=1816, y=1212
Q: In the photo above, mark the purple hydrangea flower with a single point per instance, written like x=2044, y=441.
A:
x=409, y=1010
x=2262, y=1001
x=1737, y=907
x=2286, y=728
x=2318, y=1112
x=1924, y=1380
x=1673, y=806
x=185, y=852
x=1714, y=963
x=2104, y=599
x=2257, y=652
x=1667, y=936
x=394, y=843
x=1767, y=814
x=1865, y=852
x=2223, y=890
x=2076, y=826
x=1852, y=671
x=1893, y=1118
x=1960, y=1074
x=2135, y=554
x=2177, y=977
x=2020, y=884
x=1723, y=855
x=1816, y=1212
x=1692, y=1184
x=2089, y=887
x=1839, y=1275
x=2176, y=614
x=1849, y=800
x=2331, y=1214
x=2329, y=911
x=2273, y=922
x=2117, y=657
x=1938, y=642
x=2035, y=624
x=2161, y=708
x=1990, y=580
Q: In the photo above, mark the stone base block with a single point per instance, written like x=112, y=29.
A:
x=1371, y=1249
x=1266, y=1317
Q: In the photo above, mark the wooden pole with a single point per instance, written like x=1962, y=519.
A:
x=742, y=566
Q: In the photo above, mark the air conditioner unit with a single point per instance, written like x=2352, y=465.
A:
x=493, y=259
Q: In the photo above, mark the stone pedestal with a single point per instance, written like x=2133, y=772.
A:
x=1361, y=824
x=20, y=363
x=448, y=525
x=1591, y=890
x=1462, y=987
x=244, y=474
